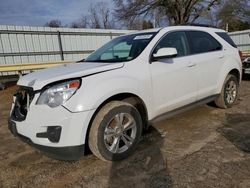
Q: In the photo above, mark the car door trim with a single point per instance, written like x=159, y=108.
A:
x=183, y=109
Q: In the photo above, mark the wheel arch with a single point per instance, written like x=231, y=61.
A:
x=224, y=73
x=236, y=73
x=130, y=98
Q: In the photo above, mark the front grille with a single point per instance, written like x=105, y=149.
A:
x=24, y=97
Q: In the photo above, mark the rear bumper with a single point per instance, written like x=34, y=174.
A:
x=61, y=153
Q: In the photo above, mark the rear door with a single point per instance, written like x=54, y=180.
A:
x=207, y=54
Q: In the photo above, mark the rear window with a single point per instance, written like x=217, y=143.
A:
x=202, y=42
x=227, y=38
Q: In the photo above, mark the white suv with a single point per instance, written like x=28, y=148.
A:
x=105, y=102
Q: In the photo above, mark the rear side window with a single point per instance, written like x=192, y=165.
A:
x=202, y=42
x=227, y=38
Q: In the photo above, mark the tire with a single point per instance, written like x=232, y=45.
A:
x=115, y=131
x=229, y=93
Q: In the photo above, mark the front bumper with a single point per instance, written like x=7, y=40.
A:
x=40, y=118
x=60, y=153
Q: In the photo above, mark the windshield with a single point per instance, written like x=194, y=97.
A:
x=124, y=48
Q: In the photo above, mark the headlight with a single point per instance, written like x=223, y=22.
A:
x=58, y=94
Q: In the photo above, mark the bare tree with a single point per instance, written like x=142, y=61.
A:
x=81, y=23
x=94, y=17
x=147, y=24
x=235, y=14
x=100, y=16
x=159, y=18
x=53, y=23
x=176, y=11
x=212, y=18
x=105, y=15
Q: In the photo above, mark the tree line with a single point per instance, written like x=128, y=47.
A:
x=232, y=15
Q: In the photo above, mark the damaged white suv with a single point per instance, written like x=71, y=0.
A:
x=105, y=102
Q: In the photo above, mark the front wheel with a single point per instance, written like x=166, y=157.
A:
x=229, y=92
x=115, y=131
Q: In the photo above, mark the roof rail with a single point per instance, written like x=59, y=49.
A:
x=200, y=25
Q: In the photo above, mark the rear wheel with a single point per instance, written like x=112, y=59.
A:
x=229, y=92
x=115, y=131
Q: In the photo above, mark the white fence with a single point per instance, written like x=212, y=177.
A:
x=22, y=44
x=241, y=39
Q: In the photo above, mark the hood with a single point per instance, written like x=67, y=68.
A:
x=38, y=79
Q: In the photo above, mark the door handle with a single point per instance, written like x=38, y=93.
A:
x=222, y=56
x=191, y=64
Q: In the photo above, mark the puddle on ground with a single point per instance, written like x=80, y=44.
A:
x=237, y=130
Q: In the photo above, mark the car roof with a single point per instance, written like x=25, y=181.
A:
x=153, y=30
x=200, y=28
x=183, y=27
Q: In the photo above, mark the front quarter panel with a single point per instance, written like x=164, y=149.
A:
x=97, y=88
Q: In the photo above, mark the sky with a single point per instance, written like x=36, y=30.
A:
x=39, y=12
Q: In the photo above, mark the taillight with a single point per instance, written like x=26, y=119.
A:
x=241, y=55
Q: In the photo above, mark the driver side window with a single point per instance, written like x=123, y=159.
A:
x=176, y=40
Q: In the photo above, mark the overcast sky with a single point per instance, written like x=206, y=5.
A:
x=38, y=12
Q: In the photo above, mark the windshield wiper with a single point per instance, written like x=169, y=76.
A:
x=104, y=61
x=80, y=61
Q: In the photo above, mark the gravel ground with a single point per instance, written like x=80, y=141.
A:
x=204, y=147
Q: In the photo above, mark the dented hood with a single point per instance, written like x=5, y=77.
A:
x=38, y=79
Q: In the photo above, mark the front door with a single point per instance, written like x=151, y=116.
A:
x=174, y=80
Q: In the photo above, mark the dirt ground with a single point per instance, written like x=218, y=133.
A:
x=204, y=147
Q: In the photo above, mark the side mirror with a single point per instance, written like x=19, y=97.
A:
x=165, y=53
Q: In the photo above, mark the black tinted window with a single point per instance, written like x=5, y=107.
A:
x=201, y=42
x=227, y=38
x=174, y=40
